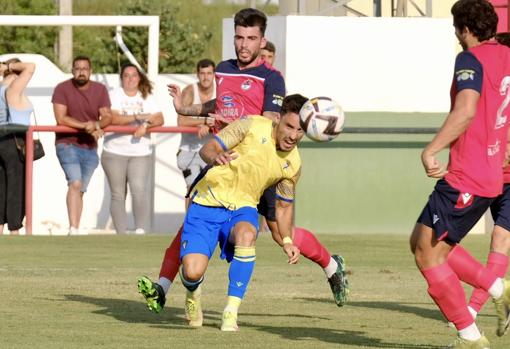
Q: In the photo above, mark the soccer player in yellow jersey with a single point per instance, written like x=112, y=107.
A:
x=248, y=156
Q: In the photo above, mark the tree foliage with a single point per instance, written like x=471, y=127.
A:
x=39, y=40
x=182, y=42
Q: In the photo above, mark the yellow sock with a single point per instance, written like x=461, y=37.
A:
x=233, y=304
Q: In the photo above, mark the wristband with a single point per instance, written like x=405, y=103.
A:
x=287, y=240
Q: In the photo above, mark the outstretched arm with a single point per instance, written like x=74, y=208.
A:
x=284, y=211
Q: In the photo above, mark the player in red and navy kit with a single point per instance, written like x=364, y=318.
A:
x=476, y=131
x=246, y=86
x=497, y=259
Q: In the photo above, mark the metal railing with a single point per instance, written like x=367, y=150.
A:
x=162, y=129
x=64, y=129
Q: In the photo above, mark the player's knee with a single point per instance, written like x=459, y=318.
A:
x=192, y=273
x=245, y=237
x=192, y=270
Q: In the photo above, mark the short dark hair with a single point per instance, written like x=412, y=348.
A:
x=204, y=63
x=82, y=58
x=478, y=16
x=503, y=38
x=293, y=104
x=269, y=46
x=250, y=17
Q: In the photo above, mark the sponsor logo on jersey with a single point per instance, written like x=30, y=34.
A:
x=286, y=165
x=246, y=85
x=263, y=140
x=220, y=80
x=465, y=74
x=228, y=101
x=277, y=100
x=435, y=218
x=184, y=244
x=230, y=113
x=239, y=283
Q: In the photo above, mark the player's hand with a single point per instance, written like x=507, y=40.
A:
x=225, y=157
x=433, y=168
x=203, y=130
x=176, y=93
x=292, y=252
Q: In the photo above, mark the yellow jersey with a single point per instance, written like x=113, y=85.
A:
x=258, y=166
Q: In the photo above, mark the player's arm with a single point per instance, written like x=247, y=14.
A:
x=468, y=80
x=274, y=92
x=285, y=193
x=220, y=149
x=284, y=213
x=190, y=110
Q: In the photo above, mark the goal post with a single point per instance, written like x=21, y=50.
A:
x=126, y=21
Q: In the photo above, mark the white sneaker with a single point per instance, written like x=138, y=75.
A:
x=76, y=231
x=139, y=231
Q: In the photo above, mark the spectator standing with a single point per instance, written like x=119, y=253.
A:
x=15, y=108
x=85, y=106
x=126, y=159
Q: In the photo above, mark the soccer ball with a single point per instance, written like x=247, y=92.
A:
x=322, y=119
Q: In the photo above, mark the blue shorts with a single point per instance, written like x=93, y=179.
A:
x=78, y=163
x=451, y=213
x=206, y=226
x=500, y=208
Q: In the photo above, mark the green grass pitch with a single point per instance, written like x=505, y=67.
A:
x=80, y=292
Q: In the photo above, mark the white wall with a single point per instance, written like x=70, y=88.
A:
x=366, y=63
x=49, y=208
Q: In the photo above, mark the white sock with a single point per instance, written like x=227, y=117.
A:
x=471, y=333
x=497, y=288
x=331, y=268
x=165, y=283
x=472, y=312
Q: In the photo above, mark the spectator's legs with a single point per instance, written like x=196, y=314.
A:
x=74, y=202
x=13, y=193
x=3, y=189
x=115, y=167
x=138, y=174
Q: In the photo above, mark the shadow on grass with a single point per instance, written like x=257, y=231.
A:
x=136, y=312
x=432, y=314
x=338, y=337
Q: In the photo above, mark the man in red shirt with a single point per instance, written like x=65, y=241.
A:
x=476, y=131
x=84, y=105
